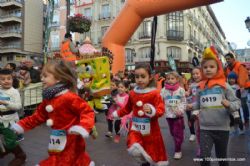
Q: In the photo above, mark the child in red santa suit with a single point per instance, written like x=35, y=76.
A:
x=145, y=141
x=70, y=117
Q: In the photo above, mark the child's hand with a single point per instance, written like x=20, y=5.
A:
x=147, y=109
x=3, y=102
x=187, y=93
x=178, y=113
x=225, y=103
x=189, y=107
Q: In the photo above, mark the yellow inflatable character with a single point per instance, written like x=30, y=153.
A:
x=94, y=79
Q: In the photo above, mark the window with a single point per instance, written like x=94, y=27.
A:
x=104, y=29
x=175, y=52
x=175, y=29
x=105, y=11
x=55, y=21
x=145, y=53
x=55, y=42
x=87, y=13
x=86, y=34
x=146, y=30
x=10, y=58
x=56, y=3
x=129, y=55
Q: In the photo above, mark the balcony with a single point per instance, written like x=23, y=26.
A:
x=16, y=48
x=10, y=4
x=144, y=35
x=11, y=18
x=141, y=59
x=105, y=16
x=55, y=24
x=55, y=46
x=175, y=35
x=11, y=33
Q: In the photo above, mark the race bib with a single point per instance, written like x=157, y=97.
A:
x=211, y=101
x=141, y=125
x=173, y=102
x=57, y=141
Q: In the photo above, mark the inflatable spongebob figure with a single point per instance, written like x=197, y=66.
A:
x=94, y=80
x=93, y=72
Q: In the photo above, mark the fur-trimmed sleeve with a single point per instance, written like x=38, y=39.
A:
x=40, y=116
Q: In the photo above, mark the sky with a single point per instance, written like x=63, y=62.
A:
x=231, y=15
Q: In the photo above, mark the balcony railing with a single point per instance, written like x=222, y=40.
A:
x=144, y=35
x=11, y=33
x=175, y=35
x=10, y=48
x=104, y=16
x=9, y=3
x=10, y=17
x=55, y=24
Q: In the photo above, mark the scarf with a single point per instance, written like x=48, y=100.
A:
x=172, y=88
x=219, y=78
x=50, y=92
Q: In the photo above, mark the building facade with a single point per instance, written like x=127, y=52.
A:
x=21, y=30
x=181, y=35
x=243, y=55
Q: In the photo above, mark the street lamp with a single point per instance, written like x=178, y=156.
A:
x=247, y=22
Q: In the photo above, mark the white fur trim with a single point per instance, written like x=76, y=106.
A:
x=136, y=150
x=139, y=103
x=195, y=112
x=162, y=163
x=17, y=128
x=92, y=163
x=49, y=122
x=152, y=109
x=115, y=115
x=80, y=130
x=142, y=91
x=141, y=113
x=49, y=108
x=62, y=92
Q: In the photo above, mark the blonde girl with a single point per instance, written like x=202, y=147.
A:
x=175, y=103
x=193, y=115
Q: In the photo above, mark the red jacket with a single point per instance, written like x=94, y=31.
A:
x=151, y=144
x=62, y=112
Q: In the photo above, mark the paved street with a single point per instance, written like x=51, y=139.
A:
x=107, y=153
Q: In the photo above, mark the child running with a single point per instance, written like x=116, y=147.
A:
x=70, y=117
x=216, y=101
x=235, y=118
x=145, y=141
x=10, y=103
x=120, y=98
x=175, y=103
x=193, y=115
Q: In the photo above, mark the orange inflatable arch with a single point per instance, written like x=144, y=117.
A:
x=131, y=16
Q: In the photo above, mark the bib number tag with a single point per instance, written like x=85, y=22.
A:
x=141, y=125
x=57, y=141
x=172, y=102
x=211, y=101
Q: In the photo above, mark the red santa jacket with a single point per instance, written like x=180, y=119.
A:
x=65, y=112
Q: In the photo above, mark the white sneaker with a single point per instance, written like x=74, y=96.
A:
x=192, y=137
x=177, y=155
x=241, y=132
